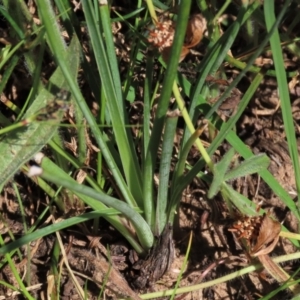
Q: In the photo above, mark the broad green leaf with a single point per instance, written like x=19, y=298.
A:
x=20, y=145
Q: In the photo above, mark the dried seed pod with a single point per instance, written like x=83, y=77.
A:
x=261, y=233
x=247, y=228
x=162, y=35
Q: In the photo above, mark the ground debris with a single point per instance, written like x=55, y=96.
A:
x=103, y=272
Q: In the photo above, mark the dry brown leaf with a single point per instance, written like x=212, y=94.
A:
x=166, y=53
x=267, y=238
x=195, y=30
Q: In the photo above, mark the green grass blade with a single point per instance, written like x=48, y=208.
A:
x=163, y=104
x=68, y=17
x=243, y=149
x=213, y=60
x=12, y=21
x=115, y=102
x=53, y=228
x=111, y=55
x=175, y=194
x=50, y=167
x=224, y=129
x=247, y=67
x=147, y=108
x=283, y=89
x=72, y=24
x=142, y=228
x=15, y=273
x=8, y=71
x=57, y=45
x=244, y=205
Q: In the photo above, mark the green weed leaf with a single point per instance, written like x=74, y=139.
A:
x=20, y=145
x=220, y=170
x=250, y=166
x=243, y=204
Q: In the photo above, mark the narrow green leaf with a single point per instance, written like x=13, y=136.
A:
x=57, y=45
x=104, y=51
x=178, y=174
x=162, y=108
x=212, y=61
x=224, y=133
x=50, y=167
x=244, y=205
x=283, y=88
x=164, y=174
x=55, y=227
x=142, y=228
